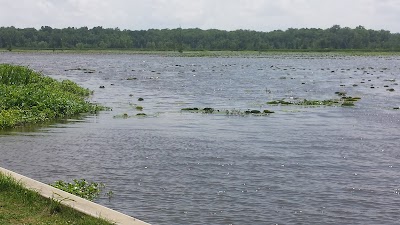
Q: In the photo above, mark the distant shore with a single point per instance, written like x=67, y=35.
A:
x=365, y=52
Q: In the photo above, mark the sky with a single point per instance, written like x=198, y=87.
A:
x=259, y=15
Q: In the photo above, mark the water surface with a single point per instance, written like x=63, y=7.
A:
x=300, y=165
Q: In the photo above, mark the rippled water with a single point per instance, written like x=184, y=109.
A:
x=300, y=165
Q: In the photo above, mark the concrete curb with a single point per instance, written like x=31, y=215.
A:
x=75, y=202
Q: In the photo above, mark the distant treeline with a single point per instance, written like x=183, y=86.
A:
x=334, y=38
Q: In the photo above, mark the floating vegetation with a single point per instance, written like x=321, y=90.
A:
x=82, y=69
x=253, y=111
x=233, y=112
x=277, y=102
x=208, y=110
x=126, y=116
x=81, y=188
x=140, y=99
x=341, y=93
x=190, y=109
x=139, y=108
x=351, y=99
x=347, y=104
x=344, y=101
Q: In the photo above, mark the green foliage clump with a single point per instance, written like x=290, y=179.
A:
x=28, y=97
x=81, y=188
x=344, y=101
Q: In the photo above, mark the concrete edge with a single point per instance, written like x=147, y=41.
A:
x=75, y=202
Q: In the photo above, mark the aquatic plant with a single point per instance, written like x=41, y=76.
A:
x=208, y=110
x=28, y=97
x=277, y=102
x=347, y=104
x=344, y=101
x=190, y=109
x=268, y=111
x=233, y=112
x=81, y=188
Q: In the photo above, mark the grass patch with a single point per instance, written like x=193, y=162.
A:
x=28, y=97
x=19, y=205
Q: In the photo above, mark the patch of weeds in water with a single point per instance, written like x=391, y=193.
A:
x=208, y=110
x=123, y=116
x=85, y=70
x=81, y=188
x=139, y=108
x=190, y=109
x=279, y=102
x=348, y=103
x=344, y=101
x=350, y=99
x=233, y=112
x=341, y=93
x=252, y=111
x=131, y=78
x=266, y=111
x=141, y=114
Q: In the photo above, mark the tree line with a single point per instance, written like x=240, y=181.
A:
x=333, y=38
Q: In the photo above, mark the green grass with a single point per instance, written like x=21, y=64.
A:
x=28, y=97
x=19, y=205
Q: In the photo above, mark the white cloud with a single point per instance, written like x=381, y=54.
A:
x=263, y=15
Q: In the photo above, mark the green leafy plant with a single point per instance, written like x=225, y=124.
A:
x=81, y=188
x=28, y=97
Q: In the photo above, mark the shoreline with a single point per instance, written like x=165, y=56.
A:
x=79, y=204
x=208, y=53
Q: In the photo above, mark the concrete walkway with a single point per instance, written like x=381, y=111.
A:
x=79, y=204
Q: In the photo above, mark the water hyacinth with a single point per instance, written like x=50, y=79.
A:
x=28, y=97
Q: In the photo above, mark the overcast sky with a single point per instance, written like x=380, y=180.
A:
x=260, y=15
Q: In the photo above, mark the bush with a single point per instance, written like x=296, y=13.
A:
x=28, y=97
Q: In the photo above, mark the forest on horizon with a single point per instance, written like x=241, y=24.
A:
x=195, y=39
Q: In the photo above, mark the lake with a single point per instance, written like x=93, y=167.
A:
x=300, y=165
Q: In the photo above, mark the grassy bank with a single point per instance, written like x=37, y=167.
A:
x=19, y=205
x=28, y=97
